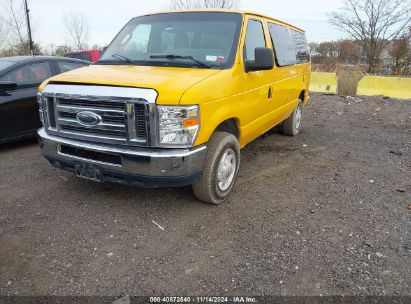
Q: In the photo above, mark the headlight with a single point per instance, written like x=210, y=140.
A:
x=41, y=107
x=178, y=125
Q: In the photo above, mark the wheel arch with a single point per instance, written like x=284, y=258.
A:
x=303, y=96
x=231, y=126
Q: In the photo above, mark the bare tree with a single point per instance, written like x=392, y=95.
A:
x=77, y=30
x=349, y=51
x=187, y=4
x=15, y=19
x=13, y=22
x=400, y=53
x=3, y=32
x=374, y=23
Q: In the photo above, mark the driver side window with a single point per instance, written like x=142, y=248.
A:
x=29, y=76
x=255, y=38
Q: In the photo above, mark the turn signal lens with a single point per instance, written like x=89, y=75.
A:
x=191, y=122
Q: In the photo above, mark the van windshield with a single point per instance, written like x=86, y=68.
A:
x=189, y=39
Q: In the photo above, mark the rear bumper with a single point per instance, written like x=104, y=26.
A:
x=138, y=166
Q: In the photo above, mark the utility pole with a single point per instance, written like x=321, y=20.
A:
x=29, y=28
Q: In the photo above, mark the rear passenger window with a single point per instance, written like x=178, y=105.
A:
x=82, y=56
x=29, y=76
x=66, y=66
x=302, y=52
x=283, y=44
x=255, y=38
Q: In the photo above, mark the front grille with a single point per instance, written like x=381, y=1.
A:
x=90, y=131
x=113, y=120
x=51, y=112
x=92, y=103
x=107, y=117
x=141, y=129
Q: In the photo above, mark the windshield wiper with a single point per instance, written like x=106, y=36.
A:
x=173, y=57
x=122, y=58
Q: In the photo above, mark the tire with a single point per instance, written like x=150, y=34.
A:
x=223, y=152
x=292, y=125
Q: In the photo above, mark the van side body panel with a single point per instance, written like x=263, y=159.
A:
x=245, y=97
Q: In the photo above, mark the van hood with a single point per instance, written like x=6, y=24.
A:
x=169, y=82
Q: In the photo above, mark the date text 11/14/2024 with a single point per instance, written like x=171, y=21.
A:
x=237, y=299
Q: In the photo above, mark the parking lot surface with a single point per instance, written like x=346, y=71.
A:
x=326, y=212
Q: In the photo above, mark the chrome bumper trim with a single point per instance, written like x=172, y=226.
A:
x=139, y=161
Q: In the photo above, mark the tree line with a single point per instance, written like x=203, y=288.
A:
x=377, y=27
x=13, y=28
x=394, y=59
x=188, y=4
x=14, y=39
x=378, y=31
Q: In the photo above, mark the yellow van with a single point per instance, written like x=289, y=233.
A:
x=174, y=98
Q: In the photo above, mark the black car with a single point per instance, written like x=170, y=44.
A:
x=19, y=80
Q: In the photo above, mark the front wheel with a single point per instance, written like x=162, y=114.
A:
x=220, y=169
x=292, y=125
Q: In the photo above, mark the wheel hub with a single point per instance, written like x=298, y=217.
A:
x=226, y=169
x=298, y=117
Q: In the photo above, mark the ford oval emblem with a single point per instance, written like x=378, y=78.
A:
x=88, y=119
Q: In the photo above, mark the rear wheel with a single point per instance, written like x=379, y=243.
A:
x=292, y=125
x=220, y=169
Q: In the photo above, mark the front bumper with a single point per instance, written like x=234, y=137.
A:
x=143, y=167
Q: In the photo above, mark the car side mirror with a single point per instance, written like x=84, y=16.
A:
x=264, y=60
x=6, y=86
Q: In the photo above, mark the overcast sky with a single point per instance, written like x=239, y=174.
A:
x=107, y=17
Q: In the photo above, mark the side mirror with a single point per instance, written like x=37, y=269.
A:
x=264, y=60
x=6, y=86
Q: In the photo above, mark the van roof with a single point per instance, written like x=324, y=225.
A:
x=242, y=12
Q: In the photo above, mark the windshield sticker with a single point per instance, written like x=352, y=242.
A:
x=215, y=58
x=211, y=58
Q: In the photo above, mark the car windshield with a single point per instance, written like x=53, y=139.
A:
x=4, y=64
x=193, y=39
